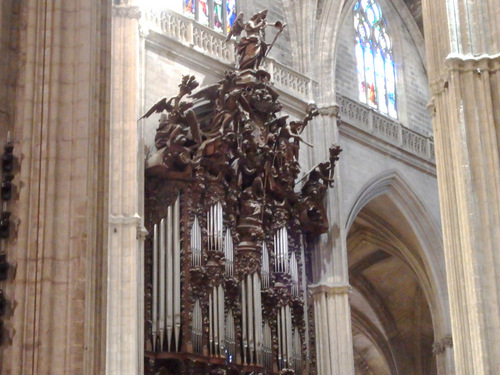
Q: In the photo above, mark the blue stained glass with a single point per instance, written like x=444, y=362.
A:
x=380, y=81
x=370, y=77
x=375, y=66
x=391, y=87
x=231, y=13
x=371, y=15
x=189, y=8
x=361, y=73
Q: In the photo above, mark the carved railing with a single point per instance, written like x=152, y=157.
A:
x=209, y=42
x=385, y=128
x=188, y=32
x=288, y=79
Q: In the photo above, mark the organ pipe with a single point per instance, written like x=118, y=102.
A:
x=166, y=296
x=230, y=338
x=162, y=306
x=297, y=352
x=154, y=313
x=216, y=321
x=177, y=273
x=220, y=318
x=256, y=337
x=197, y=330
x=265, y=267
x=244, y=320
x=196, y=243
x=258, y=318
x=215, y=227
x=288, y=322
x=229, y=253
x=294, y=272
x=267, y=347
x=281, y=250
x=250, y=319
x=169, y=278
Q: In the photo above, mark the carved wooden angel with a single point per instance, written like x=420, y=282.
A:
x=252, y=48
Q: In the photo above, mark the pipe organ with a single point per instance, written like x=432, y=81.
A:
x=229, y=229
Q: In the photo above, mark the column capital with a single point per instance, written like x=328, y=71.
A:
x=124, y=220
x=127, y=11
x=439, y=347
x=478, y=63
x=330, y=111
x=330, y=288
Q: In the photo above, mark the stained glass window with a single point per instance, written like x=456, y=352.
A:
x=218, y=21
x=223, y=13
x=375, y=63
x=189, y=8
x=231, y=14
x=203, y=12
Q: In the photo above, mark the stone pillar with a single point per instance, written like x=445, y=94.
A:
x=57, y=244
x=125, y=321
x=463, y=52
x=334, y=345
x=332, y=316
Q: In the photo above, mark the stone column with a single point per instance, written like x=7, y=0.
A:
x=332, y=316
x=463, y=52
x=124, y=344
x=334, y=345
x=57, y=245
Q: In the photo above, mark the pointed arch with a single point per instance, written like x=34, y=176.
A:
x=426, y=260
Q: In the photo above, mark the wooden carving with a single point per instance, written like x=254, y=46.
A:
x=227, y=161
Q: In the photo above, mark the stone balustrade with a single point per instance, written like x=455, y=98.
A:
x=385, y=128
x=209, y=42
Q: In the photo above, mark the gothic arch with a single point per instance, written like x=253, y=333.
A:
x=410, y=238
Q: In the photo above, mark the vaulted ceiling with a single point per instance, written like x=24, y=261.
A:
x=392, y=324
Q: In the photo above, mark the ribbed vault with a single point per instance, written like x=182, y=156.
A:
x=393, y=329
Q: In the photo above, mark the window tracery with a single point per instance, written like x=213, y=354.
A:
x=374, y=57
x=216, y=14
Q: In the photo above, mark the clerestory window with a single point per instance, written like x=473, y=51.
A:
x=216, y=14
x=375, y=63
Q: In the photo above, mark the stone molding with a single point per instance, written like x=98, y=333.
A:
x=124, y=220
x=431, y=107
x=456, y=62
x=440, y=346
x=127, y=11
x=330, y=289
x=467, y=63
x=330, y=111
